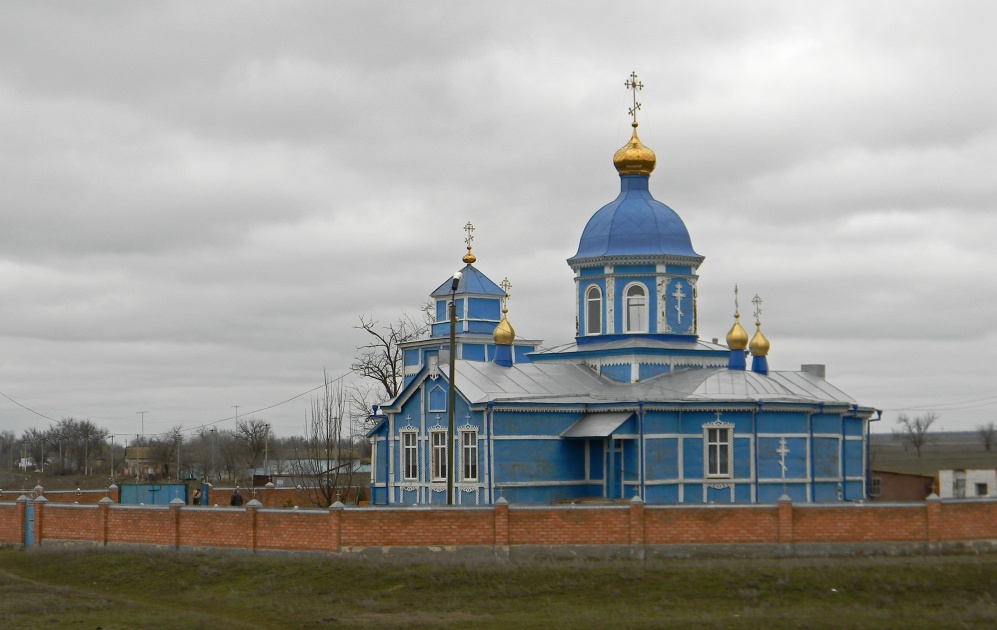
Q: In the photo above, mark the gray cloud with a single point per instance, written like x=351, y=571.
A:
x=199, y=201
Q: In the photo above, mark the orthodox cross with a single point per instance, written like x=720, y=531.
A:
x=736, y=307
x=678, y=295
x=757, y=301
x=783, y=450
x=505, y=285
x=470, y=234
x=634, y=85
x=469, y=257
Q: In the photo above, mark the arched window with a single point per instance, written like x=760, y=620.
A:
x=593, y=311
x=636, y=308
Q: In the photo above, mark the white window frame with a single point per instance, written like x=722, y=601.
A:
x=438, y=455
x=628, y=324
x=590, y=301
x=718, y=437
x=410, y=455
x=469, y=454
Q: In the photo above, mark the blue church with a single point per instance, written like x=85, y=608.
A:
x=637, y=405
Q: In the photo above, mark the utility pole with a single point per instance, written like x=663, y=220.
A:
x=143, y=424
x=214, y=438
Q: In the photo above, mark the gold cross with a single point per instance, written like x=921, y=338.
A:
x=757, y=301
x=634, y=85
x=505, y=285
x=736, y=307
x=470, y=236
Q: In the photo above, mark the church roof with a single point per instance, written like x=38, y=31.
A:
x=471, y=281
x=634, y=224
x=564, y=383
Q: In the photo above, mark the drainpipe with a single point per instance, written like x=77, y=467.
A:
x=867, y=477
x=489, y=418
x=754, y=449
x=754, y=430
x=640, y=445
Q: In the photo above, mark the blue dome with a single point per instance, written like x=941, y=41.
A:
x=634, y=224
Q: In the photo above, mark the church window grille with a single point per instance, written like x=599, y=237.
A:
x=636, y=308
x=439, y=458
x=410, y=455
x=719, y=452
x=469, y=454
x=593, y=311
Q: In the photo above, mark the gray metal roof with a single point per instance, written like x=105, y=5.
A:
x=567, y=383
x=597, y=425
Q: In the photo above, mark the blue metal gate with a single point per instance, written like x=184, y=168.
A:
x=29, y=524
x=152, y=493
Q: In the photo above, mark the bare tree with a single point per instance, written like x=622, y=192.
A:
x=914, y=432
x=253, y=432
x=381, y=360
x=988, y=435
x=324, y=465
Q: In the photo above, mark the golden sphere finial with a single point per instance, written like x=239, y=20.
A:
x=634, y=158
x=759, y=344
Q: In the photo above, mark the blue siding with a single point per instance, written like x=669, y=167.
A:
x=742, y=458
x=484, y=308
x=412, y=357
x=661, y=459
x=661, y=422
x=825, y=492
x=853, y=426
x=591, y=271
x=662, y=494
x=473, y=352
x=519, y=352
x=634, y=269
x=549, y=423
x=853, y=457
x=826, y=423
x=774, y=422
x=620, y=373
x=646, y=371
x=692, y=458
x=596, y=459
x=825, y=457
x=539, y=460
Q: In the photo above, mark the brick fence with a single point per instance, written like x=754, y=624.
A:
x=503, y=531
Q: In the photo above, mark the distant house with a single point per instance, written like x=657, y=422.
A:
x=967, y=484
x=138, y=462
x=897, y=486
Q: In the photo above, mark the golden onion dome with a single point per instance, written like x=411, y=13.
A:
x=504, y=334
x=737, y=337
x=759, y=344
x=634, y=158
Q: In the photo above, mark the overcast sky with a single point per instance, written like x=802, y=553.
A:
x=198, y=200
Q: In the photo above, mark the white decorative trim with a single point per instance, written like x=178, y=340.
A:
x=718, y=424
x=718, y=486
x=610, y=327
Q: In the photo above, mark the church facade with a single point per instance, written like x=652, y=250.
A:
x=637, y=405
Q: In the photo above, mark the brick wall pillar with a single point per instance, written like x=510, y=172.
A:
x=502, y=529
x=114, y=493
x=39, y=504
x=785, y=520
x=104, y=508
x=251, y=508
x=637, y=528
x=933, y=509
x=175, y=506
x=336, y=526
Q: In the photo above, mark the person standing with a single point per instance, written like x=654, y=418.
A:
x=236, y=500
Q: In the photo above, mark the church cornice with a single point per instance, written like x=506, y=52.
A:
x=601, y=261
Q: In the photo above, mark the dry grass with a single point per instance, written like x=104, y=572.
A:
x=116, y=589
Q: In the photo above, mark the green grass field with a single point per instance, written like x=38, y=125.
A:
x=117, y=589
